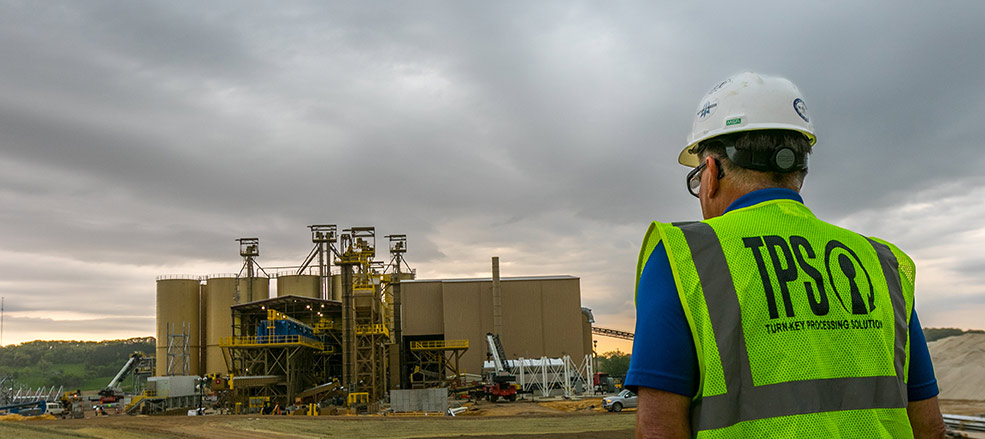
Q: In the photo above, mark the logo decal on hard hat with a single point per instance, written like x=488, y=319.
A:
x=720, y=85
x=801, y=108
x=708, y=108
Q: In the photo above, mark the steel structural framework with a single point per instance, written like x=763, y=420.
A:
x=24, y=394
x=614, y=333
x=324, y=236
x=398, y=247
x=364, y=315
x=297, y=366
x=249, y=249
x=553, y=375
x=437, y=362
x=361, y=338
x=298, y=362
x=178, y=359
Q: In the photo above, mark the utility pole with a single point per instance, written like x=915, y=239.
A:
x=1, y=321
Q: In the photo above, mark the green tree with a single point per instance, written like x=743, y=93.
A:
x=615, y=363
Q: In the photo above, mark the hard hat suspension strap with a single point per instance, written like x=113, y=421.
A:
x=781, y=159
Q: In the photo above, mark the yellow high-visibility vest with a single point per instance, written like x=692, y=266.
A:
x=800, y=326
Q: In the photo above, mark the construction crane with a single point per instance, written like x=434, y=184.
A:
x=112, y=392
x=614, y=333
x=499, y=384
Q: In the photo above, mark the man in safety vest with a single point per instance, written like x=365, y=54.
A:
x=762, y=320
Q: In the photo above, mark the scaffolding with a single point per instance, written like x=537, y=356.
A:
x=178, y=350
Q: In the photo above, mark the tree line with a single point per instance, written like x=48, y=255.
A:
x=933, y=334
x=73, y=364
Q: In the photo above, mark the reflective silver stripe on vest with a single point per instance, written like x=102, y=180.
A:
x=744, y=401
x=890, y=269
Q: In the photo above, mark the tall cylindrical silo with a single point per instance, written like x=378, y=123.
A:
x=260, y=289
x=178, y=308
x=304, y=285
x=336, y=287
x=220, y=293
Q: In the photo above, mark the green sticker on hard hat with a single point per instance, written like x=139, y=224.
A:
x=733, y=121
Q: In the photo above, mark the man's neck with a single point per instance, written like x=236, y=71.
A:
x=726, y=196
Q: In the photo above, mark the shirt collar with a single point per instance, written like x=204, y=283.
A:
x=759, y=196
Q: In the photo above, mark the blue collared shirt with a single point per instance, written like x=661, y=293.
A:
x=663, y=352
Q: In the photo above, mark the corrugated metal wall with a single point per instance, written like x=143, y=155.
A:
x=541, y=316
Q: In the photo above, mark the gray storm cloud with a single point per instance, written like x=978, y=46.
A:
x=141, y=138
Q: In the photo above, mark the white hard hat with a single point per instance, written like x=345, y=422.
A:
x=746, y=102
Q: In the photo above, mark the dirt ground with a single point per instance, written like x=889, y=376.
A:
x=522, y=419
x=581, y=419
x=964, y=407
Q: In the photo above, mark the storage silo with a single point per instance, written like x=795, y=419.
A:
x=178, y=305
x=304, y=285
x=336, y=287
x=220, y=291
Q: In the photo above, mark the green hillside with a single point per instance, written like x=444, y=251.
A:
x=85, y=365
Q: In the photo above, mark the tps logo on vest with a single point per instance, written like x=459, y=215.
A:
x=838, y=270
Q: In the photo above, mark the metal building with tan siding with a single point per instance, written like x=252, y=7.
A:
x=541, y=316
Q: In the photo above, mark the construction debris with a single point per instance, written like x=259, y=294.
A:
x=965, y=423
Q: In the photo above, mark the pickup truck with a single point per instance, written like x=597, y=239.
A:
x=625, y=399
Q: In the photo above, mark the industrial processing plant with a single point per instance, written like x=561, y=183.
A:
x=346, y=329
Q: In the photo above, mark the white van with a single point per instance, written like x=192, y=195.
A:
x=54, y=408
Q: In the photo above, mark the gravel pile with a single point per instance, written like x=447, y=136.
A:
x=959, y=363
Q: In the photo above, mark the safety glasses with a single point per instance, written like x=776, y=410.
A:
x=694, y=177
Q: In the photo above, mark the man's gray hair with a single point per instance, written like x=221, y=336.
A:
x=758, y=140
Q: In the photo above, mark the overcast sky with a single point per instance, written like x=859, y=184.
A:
x=141, y=138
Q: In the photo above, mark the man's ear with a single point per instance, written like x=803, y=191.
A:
x=714, y=171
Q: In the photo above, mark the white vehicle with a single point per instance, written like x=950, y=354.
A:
x=54, y=408
x=625, y=399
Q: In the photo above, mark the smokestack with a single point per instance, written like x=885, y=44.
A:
x=497, y=296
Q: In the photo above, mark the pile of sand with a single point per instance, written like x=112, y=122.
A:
x=16, y=417
x=575, y=405
x=959, y=363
